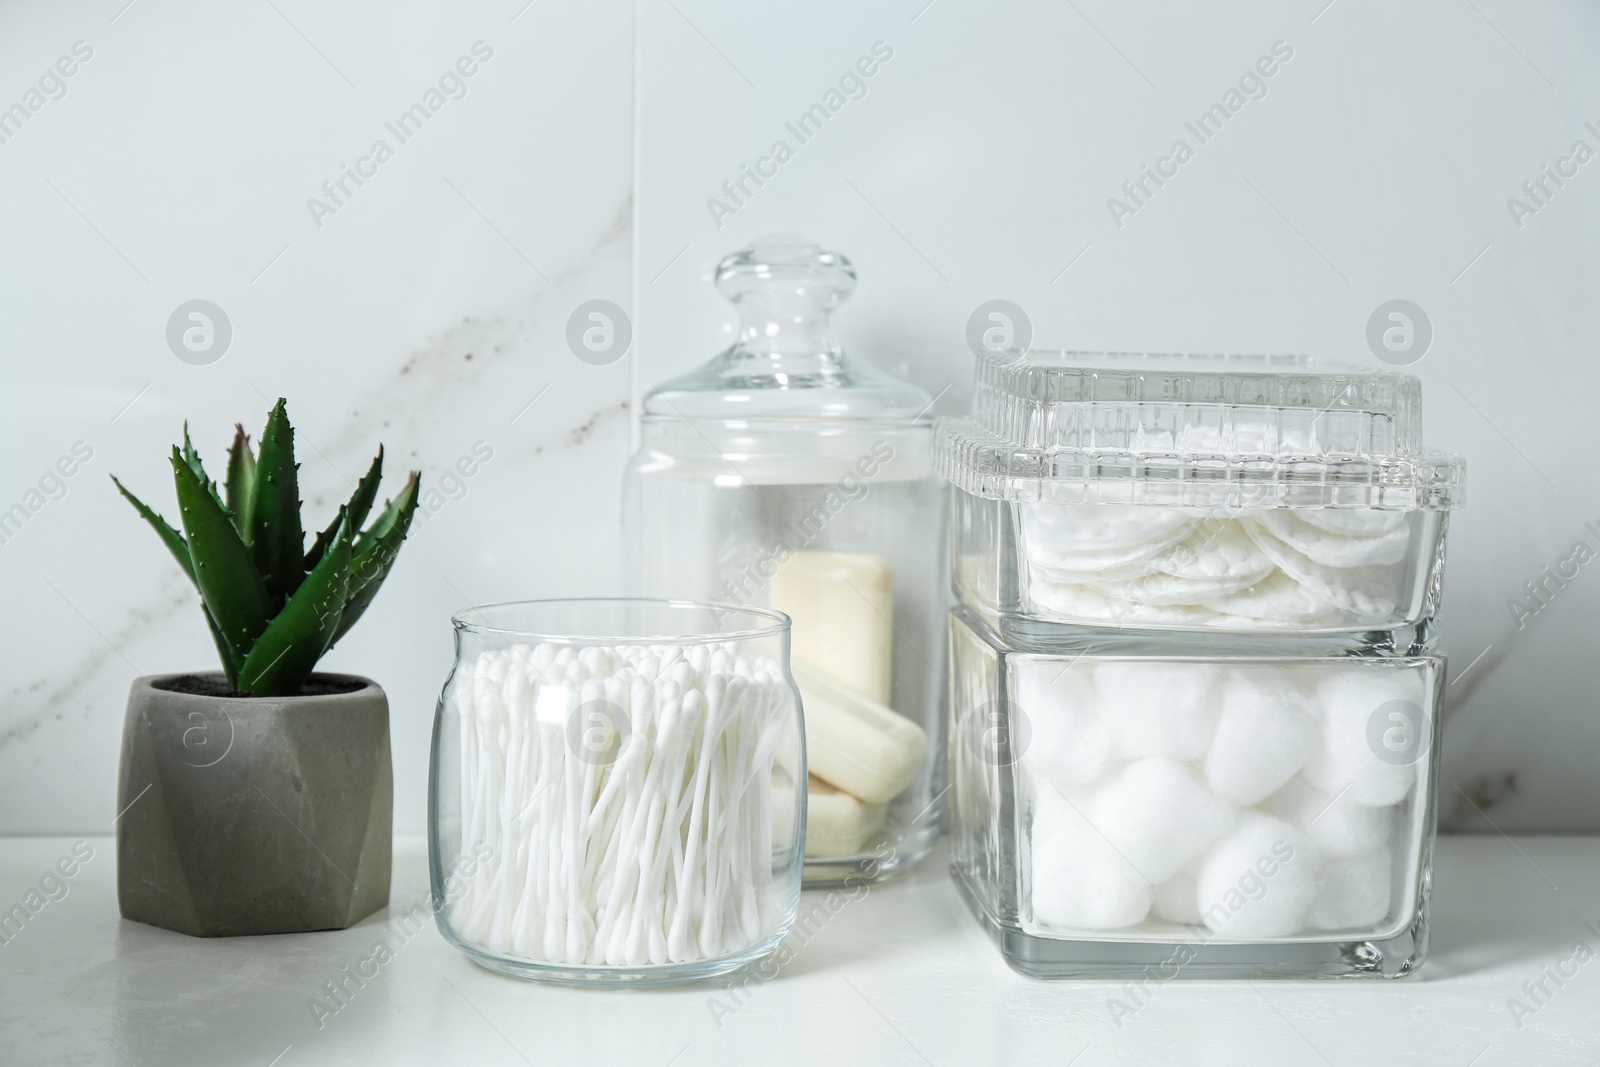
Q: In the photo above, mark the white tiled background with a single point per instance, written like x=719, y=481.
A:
x=977, y=164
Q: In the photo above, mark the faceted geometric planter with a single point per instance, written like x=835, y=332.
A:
x=254, y=815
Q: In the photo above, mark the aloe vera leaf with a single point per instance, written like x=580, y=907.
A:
x=229, y=665
x=277, y=542
x=229, y=584
x=287, y=652
x=375, y=554
x=241, y=473
x=192, y=459
x=169, y=537
x=358, y=507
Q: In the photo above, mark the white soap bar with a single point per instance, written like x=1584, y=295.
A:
x=842, y=604
x=856, y=744
x=837, y=824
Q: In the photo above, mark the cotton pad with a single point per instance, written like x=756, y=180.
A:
x=1359, y=706
x=1259, y=881
x=1356, y=892
x=1158, y=708
x=1077, y=881
x=1159, y=589
x=1068, y=742
x=1081, y=539
x=1264, y=734
x=1367, y=591
x=1216, y=549
x=1339, y=825
x=1362, y=522
x=1084, y=602
x=1277, y=600
x=1068, y=526
x=1158, y=816
x=1335, y=550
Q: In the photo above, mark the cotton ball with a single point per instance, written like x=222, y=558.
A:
x=1259, y=881
x=1078, y=882
x=1158, y=708
x=1158, y=816
x=1356, y=892
x=1348, y=760
x=1067, y=741
x=1177, y=899
x=1339, y=825
x=1264, y=734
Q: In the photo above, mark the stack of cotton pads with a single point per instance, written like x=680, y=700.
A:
x=1268, y=569
x=630, y=798
x=1242, y=797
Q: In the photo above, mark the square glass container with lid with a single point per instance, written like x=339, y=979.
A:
x=1203, y=493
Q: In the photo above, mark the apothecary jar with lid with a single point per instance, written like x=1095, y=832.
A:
x=786, y=474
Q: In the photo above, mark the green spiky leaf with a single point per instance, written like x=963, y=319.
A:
x=230, y=665
x=233, y=591
x=375, y=552
x=358, y=507
x=271, y=620
x=169, y=537
x=191, y=458
x=277, y=542
x=241, y=474
x=287, y=652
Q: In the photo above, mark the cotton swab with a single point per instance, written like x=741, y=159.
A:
x=626, y=795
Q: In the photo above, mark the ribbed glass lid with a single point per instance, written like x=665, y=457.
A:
x=1235, y=404
x=1195, y=430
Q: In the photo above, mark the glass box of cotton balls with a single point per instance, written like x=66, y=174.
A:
x=1118, y=812
x=1194, y=693
x=617, y=790
x=1207, y=494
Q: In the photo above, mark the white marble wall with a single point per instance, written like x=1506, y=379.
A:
x=977, y=164
x=425, y=313
x=1377, y=166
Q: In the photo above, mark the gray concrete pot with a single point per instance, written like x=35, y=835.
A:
x=254, y=815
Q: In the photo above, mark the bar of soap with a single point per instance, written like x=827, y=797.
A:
x=837, y=824
x=855, y=744
x=842, y=604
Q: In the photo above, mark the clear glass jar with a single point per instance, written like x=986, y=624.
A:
x=613, y=793
x=1127, y=809
x=1238, y=495
x=784, y=473
x=1363, y=575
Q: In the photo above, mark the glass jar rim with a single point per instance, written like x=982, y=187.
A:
x=771, y=623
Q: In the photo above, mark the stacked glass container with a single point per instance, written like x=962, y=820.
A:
x=785, y=474
x=1194, y=679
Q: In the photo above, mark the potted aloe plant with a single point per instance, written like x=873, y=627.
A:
x=258, y=799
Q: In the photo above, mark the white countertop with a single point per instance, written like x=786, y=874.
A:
x=900, y=976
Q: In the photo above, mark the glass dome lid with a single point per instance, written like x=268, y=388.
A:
x=786, y=361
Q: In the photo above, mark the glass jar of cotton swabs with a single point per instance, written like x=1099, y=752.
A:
x=617, y=789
